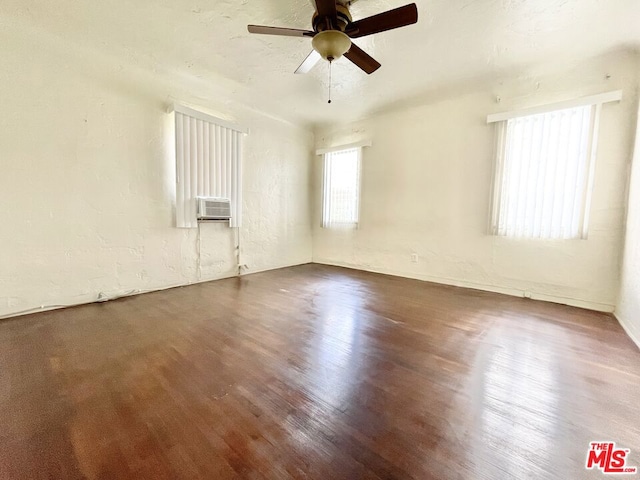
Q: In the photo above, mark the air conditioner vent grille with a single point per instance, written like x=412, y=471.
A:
x=213, y=208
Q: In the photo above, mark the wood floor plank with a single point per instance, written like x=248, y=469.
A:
x=315, y=372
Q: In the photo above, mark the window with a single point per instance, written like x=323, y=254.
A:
x=341, y=193
x=543, y=174
x=208, y=164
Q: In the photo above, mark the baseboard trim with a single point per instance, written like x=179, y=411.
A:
x=601, y=307
x=268, y=269
x=628, y=330
x=131, y=293
x=573, y=302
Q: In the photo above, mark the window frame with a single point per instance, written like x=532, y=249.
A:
x=325, y=223
x=208, y=158
x=499, y=163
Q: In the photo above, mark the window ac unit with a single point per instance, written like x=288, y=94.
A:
x=210, y=208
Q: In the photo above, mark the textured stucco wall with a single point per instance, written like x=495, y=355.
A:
x=628, y=308
x=86, y=184
x=426, y=184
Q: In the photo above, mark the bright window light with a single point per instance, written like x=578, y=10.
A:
x=543, y=175
x=341, y=189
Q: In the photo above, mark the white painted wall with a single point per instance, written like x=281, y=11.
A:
x=426, y=185
x=628, y=308
x=86, y=184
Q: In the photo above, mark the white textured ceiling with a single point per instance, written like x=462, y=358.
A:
x=454, y=40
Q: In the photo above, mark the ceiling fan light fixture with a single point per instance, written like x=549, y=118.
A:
x=331, y=44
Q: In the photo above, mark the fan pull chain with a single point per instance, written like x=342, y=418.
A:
x=330, y=63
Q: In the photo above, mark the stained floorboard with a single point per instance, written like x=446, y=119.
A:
x=315, y=372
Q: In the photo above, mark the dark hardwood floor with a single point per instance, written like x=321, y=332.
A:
x=315, y=372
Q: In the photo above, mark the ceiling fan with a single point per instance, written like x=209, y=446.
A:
x=333, y=29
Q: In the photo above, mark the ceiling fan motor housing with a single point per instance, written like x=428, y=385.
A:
x=331, y=42
x=343, y=18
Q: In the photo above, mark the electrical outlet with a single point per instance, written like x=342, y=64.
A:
x=414, y=258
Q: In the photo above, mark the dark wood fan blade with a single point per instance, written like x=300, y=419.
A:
x=286, y=32
x=396, y=18
x=326, y=8
x=362, y=59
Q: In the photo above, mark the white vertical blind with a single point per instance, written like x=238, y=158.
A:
x=543, y=174
x=341, y=190
x=209, y=164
